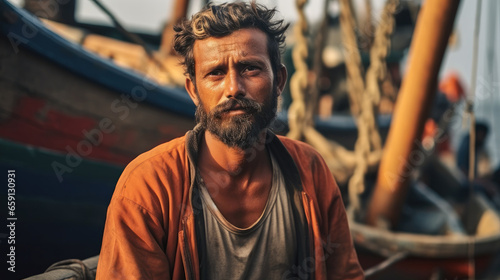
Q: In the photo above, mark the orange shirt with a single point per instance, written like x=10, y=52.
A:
x=150, y=230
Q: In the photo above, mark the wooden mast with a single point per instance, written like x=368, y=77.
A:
x=401, y=153
x=179, y=11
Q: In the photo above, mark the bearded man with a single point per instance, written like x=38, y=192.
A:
x=229, y=200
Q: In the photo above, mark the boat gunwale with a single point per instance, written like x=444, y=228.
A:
x=387, y=243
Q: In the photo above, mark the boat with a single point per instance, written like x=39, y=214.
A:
x=425, y=235
x=75, y=101
x=70, y=121
x=432, y=241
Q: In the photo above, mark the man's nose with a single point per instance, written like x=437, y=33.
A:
x=234, y=85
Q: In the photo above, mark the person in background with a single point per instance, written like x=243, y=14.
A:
x=229, y=200
x=463, y=154
x=484, y=178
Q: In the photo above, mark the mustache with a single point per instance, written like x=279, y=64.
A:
x=244, y=104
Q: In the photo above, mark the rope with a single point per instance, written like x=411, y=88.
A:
x=342, y=162
x=319, y=46
x=355, y=71
x=368, y=97
x=136, y=39
x=298, y=83
x=372, y=271
x=367, y=28
x=470, y=100
x=472, y=133
x=133, y=37
x=82, y=271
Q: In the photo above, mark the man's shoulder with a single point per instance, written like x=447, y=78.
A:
x=298, y=148
x=306, y=158
x=172, y=149
x=314, y=172
x=152, y=180
x=164, y=157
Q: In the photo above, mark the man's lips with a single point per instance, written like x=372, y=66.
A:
x=236, y=109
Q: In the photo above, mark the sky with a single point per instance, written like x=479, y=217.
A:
x=486, y=94
x=150, y=14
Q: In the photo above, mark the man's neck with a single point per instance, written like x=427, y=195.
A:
x=215, y=156
x=238, y=181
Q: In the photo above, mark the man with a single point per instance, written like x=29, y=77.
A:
x=481, y=129
x=229, y=200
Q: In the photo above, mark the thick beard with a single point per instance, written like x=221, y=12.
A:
x=239, y=131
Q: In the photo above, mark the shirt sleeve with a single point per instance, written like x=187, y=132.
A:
x=341, y=260
x=133, y=243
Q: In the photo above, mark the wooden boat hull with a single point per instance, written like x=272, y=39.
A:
x=452, y=255
x=418, y=268
x=69, y=123
x=47, y=106
x=56, y=219
x=58, y=96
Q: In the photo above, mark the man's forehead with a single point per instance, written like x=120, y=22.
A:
x=242, y=42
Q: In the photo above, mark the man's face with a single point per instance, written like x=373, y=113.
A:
x=235, y=93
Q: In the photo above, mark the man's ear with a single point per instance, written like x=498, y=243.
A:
x=191, y=89
x=282, y=76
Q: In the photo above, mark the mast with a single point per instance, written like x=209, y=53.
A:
x=179, y=11
x=401, y=154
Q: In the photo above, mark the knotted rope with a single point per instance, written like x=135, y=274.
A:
x=297, y=117
x=364, y=99
x=366, y=96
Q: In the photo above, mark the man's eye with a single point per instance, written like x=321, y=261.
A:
x=216, y=73
x=251, y=68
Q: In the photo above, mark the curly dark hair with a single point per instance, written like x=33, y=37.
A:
x=222, y=20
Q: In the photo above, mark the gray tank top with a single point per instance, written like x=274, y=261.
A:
x=265, y=250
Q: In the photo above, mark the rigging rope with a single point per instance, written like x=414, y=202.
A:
x=354, y=68
x=472, y=133
x=131, y=36
x=298, y=83
x=317, y=67
x=366, y=94
x=342, y=162
x=138, y=40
